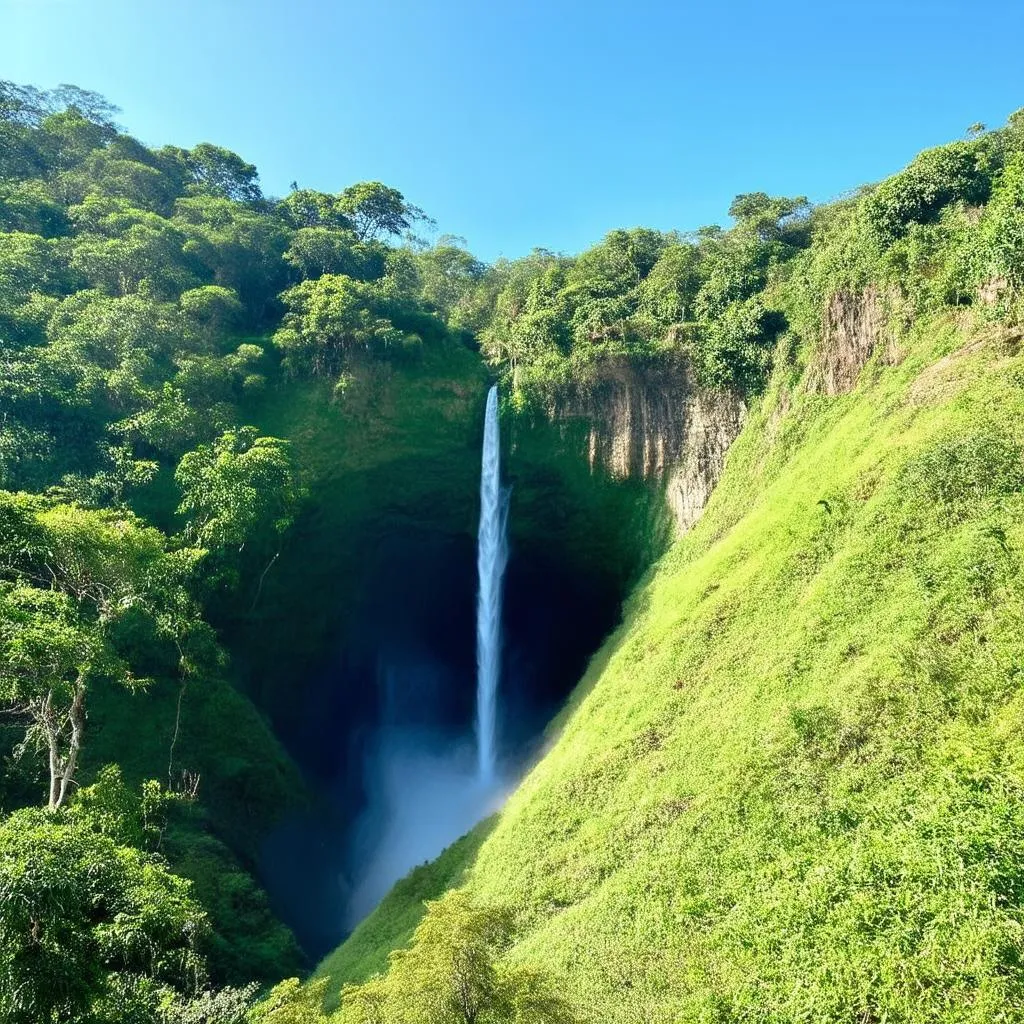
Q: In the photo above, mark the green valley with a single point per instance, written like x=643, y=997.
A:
x=761, y=753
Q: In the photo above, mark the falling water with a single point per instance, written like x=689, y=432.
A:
x=492, y=553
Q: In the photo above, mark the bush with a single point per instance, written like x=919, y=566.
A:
x=936, y=178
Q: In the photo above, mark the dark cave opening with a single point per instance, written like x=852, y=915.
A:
x=404, y=665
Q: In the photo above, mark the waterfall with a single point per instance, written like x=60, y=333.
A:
x=492, y=554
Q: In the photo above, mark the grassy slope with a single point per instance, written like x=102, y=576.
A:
x=391, y=925
x=788, y=788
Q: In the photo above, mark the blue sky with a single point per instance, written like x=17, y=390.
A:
x=540, y=123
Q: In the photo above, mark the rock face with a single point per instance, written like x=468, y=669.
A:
x=992, y=290
x=855, y=327
x=652, y=422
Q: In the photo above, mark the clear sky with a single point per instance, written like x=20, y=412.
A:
x=541, y=122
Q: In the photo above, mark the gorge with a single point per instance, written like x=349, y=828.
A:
x=384, y=724
x=630, y=635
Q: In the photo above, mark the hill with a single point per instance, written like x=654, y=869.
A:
x=788, y=787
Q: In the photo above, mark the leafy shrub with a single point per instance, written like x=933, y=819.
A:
x=956, y=472
x=1004, y=223
x=936, y=178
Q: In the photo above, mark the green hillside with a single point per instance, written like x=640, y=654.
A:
x=792, y=792
x=788, y=788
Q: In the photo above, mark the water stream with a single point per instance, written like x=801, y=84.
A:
x=492, y=556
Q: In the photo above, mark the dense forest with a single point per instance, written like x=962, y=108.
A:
x=150, y=302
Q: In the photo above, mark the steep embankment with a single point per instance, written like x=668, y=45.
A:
x=788, y=787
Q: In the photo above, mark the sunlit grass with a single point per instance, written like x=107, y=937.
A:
x=789, y=788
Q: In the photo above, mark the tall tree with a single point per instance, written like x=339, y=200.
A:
x=69, y=578
x=376, y=210
x=220, y=172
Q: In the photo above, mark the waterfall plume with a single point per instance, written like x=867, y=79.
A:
x=492, y=554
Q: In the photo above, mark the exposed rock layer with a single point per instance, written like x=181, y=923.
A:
x=652, y=422
x=855, y=327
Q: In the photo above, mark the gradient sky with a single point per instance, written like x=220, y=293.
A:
x=543, y=122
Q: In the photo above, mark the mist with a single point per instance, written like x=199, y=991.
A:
x=423, y=791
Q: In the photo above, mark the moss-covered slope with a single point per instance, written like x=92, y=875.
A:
x=789, y=788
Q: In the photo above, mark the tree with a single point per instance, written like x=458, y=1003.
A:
x=935, y=178
x=292, y=1003
x=307, y=208
x=212, y=310
x=531, y=316
x=90, y=930
x=48, y=655
x=240, y=486
x=1004, y=222
x=453, y=974
x=668, y=292
x=219, y=172
x=119, y=248
x=66, y=138
x=448, y=275
x=763, y=215
x=224, y=1006
x=377, y=211
x=316, y=251
x=70, y=580
x=332, y=317
x=136, y=180
x=30, y=206
x=617, y=264
x=240, y=246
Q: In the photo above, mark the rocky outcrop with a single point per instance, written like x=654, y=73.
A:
x=855, y=328
x=650, y=421
x=992, y=290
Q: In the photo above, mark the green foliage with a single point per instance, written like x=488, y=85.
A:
x=1004, y=222
x=237, y=487
x=452, y=974
x=375, y=210
x=224, y=1006
x=77, y=590
x=126, y=275
x=448, y=276
x=641, y=294
x=307, y=208
x=112, y=809
x=239, y=245
x=90, y=930
x=958, y=172
x=291, y=1003
x=333, y=317
x=220, y=172
x=724, y=298
x=315, y=251
x=395, y=920
x=119, y=249
x=767, y=217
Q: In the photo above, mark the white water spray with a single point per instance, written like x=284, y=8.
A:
x=492, y=554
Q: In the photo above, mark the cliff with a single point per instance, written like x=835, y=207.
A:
x=650, y=421
x=855, y=327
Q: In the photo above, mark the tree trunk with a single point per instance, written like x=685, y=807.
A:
x=77, y=718
x=48, y=720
